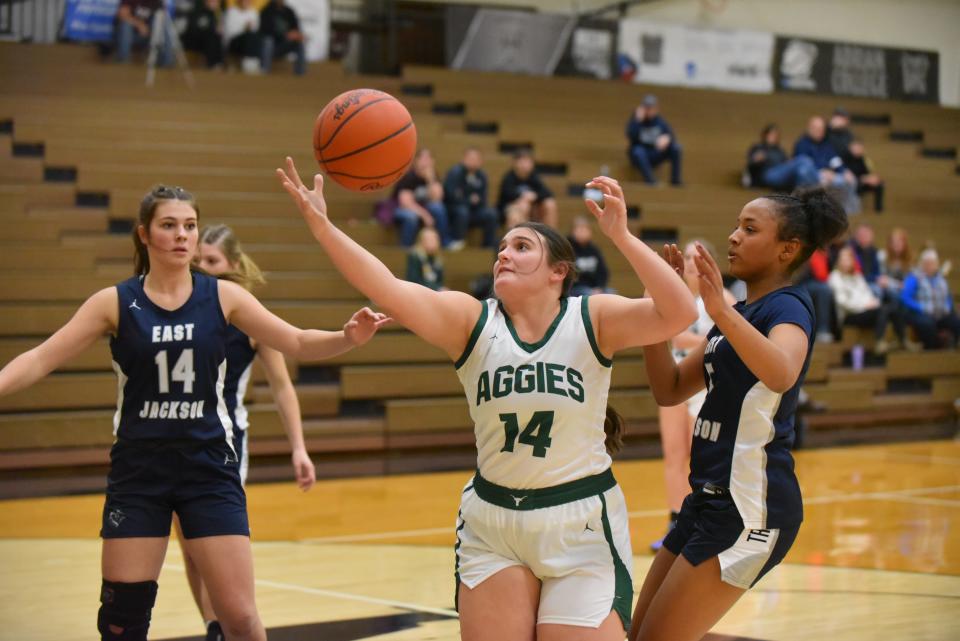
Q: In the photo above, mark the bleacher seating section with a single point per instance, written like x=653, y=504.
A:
x=82, y=140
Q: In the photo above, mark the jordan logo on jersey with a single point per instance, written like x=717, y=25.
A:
x=134, y=305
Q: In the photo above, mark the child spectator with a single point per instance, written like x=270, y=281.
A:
x=523, y=194
x=465, y=195
x=424, y=262
x=651, y=141
x=592, y=273
x=859, y=306
x=929, y=303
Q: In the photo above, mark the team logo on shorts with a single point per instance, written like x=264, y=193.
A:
x=518, y=499
x=116, y=517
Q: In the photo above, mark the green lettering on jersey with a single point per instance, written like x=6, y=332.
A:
x=503, y=381
x=553, y=377
x=524, y=379
x=483, y=388
x=575, y=381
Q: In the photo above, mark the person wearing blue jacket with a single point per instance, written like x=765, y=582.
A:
x=833, y=174
x=652, y=141
x=929, y=303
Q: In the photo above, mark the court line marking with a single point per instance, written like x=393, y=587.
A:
x=292, y=587
x=905, y=495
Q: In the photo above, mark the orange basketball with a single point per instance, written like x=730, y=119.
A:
x=364, y=139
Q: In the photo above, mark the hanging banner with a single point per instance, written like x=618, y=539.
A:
x=845, y=69
x=514, y=41
x=694, y=57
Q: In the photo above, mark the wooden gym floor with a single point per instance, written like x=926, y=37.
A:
x=371, y=558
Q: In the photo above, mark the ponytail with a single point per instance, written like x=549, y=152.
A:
x=812, y=216
x=613, y=427
x=246, y=272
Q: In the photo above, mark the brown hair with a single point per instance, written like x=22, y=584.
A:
x=905, y=258
x=613, y=427
x=559, y=251
x=148, y=209
x=246, y=274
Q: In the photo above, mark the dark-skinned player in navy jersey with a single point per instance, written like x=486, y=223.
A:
x=174, y=449
x=745, y=508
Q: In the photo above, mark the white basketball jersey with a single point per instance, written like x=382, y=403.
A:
x=538, y=409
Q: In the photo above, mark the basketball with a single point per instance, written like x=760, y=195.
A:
x=364, y=139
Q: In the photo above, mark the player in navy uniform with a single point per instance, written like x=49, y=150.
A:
x=745, y=508
x=174, y=450
x=219, y=254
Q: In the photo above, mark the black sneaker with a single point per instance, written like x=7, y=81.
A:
x=214, y=632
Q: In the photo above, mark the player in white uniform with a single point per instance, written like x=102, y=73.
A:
x=676, y=422
x=544, y=550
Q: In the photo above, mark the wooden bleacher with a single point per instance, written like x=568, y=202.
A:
x=84, y=140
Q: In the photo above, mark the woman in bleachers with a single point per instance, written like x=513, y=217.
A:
x=543, y=544
x=929, y=303
x=896, y=261
x=859, y=306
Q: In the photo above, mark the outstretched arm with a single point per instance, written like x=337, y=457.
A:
x=96, y=317
x=242, y=309
x=444, y=319
x=288, y=406
x=622, y=322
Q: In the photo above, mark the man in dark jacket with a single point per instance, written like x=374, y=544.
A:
x=281, y=36
x=652, y=141
x=523, y=194
x=768, y=165
x=465, y=193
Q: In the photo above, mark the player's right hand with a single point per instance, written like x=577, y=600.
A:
x=310, y=201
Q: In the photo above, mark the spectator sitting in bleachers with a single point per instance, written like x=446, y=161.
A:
x=896, y=261
x=203, y=32
x=651, y=141
x=769, y=166
x=465, y=195
x=592, y=273
x=424, y=262
x=419, y=200
x=241, y=33
x=859, y=306
x=868, y=259
x=852, y=152
x=282, y=36
x=813, y=278
x=929, y=303
x=133, y=25
x=523, y=194
x=833, y=174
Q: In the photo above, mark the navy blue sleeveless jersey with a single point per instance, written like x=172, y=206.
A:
x=240, y=355
x=744, y=433
x=171, y=366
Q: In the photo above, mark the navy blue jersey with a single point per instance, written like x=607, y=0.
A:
x=240, y=355
x=743, y=435
x=172, y=366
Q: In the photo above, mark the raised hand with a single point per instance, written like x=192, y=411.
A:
x=674, y=257
x=363, y=325
x=711, y=282
x=310, y=201
x=303, y=470
x=612, y=217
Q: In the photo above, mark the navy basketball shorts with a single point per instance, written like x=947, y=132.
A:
x=709, y=525
x=149, y=481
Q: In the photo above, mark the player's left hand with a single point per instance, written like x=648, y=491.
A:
x=711, y=282
x=363, y=325
x=303, y=470
x=612, y=217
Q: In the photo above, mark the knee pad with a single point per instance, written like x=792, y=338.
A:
x=125, y=610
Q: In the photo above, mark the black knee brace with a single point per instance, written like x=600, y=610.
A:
x=125, y=611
